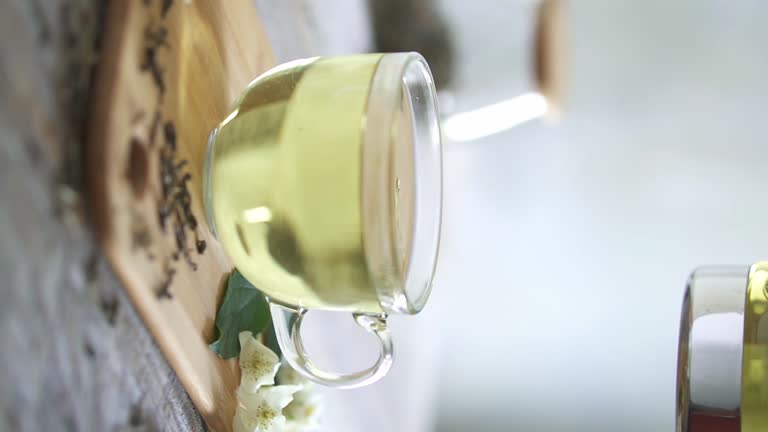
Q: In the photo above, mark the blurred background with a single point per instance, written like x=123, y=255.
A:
x=567, y=242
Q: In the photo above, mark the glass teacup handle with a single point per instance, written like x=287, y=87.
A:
x=287, y=323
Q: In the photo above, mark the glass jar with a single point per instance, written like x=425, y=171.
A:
x=722, y=382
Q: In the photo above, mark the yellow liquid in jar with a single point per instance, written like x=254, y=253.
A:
x=754, y=390
x=285, y=172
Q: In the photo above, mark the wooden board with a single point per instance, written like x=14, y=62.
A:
x=168, y=72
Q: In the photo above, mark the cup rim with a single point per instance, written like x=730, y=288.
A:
x=408, y=291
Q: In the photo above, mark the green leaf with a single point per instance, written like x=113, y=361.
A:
x=244, y=309
x=270, y=339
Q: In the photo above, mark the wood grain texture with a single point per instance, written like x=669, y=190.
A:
x=167, y=75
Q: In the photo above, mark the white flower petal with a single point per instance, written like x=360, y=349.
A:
x=306, y=396
x=303, y=410
x=302, y=413
x=265, y=407
x=287, y=375
x=274, y=397
x=259, y=419
x=262, y=411
x=258, y=364
x=301, y=416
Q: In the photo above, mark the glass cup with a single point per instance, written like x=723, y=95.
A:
x=324, y=185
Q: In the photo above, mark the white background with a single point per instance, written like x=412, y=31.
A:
x=567, y=248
